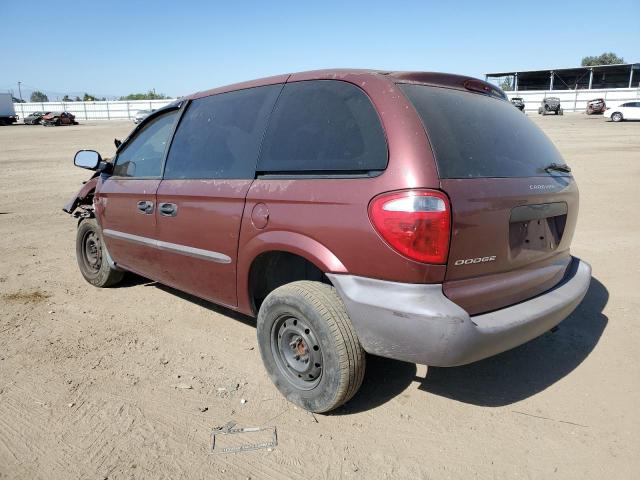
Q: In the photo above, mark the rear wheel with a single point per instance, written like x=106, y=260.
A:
x=616, y=117
x=309, y=346
x=91, y=254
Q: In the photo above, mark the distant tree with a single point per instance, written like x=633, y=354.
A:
x=38, y=96
x=77, y=99
x=150, y=95
x=607, y=58
x=17, y=100
x=88, y=98
x=67, y=98
x=506, y=84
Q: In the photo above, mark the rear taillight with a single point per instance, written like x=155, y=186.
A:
x=416, y=223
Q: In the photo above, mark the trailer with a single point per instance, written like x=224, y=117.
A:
x=7, y=111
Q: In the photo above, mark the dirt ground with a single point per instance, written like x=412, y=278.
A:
x=93, y=383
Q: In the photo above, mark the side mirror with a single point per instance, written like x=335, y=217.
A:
x=117, y=142
x=88, y=159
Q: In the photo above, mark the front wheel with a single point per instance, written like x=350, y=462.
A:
x=616, y=117
x=92, y=256
x=309, y=346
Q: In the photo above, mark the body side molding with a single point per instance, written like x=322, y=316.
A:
x=168, y=246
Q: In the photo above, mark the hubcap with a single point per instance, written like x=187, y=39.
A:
x=92, y=249
x=297, y=351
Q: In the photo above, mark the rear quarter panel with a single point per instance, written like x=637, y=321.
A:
x=326, y=219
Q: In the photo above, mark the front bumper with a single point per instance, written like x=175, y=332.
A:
x=418, y=323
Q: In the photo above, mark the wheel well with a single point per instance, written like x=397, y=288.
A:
x=271, y=270
x=88, y=198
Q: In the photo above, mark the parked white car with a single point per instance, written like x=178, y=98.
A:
x=625, y=111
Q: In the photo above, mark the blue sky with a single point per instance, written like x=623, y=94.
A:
x=113, y=48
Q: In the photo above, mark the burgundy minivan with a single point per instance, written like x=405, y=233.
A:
x=416, y=216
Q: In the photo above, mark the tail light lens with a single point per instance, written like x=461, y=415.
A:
x=416, y=223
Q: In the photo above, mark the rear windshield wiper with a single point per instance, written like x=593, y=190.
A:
x=558, y=167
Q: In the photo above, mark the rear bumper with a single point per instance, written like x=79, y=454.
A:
x=418, y=323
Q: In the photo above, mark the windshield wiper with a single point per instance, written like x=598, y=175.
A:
x=558, y=167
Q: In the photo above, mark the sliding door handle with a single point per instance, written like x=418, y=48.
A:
x=145, y=207
x=168, y=209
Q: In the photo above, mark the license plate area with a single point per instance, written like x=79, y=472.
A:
x=536, y=229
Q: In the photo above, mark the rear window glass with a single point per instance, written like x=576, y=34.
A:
x=219, y=136
x=474, y=135
x=323, y=125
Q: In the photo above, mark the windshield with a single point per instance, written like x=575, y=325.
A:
x=474, y=135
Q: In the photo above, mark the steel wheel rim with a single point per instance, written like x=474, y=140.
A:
x=92, y=251
x=297, y=351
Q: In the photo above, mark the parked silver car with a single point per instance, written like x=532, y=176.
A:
x=141, y=115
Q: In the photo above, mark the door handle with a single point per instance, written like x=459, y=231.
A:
x=168, y=209
x=145, y=207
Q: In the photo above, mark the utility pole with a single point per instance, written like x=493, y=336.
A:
x=20, y=91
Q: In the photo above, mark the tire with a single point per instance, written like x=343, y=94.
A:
x=91, y=254
x=317, y=378
x=616, y=117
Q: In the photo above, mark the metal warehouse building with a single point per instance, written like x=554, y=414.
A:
x=574, y=86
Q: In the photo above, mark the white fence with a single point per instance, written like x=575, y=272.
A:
x=110, y=110
x=576, y=100
x=571, y=100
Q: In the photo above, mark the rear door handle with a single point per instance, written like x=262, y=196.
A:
x=145, y=207
x=168, y=209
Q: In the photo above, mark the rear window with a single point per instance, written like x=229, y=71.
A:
x=323, y=126
x=475, y=136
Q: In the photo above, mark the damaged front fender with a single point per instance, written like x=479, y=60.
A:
x=82, y=196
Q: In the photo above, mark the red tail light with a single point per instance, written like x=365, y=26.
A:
x=416, y=223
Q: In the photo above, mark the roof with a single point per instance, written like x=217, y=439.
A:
x=358, y=76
